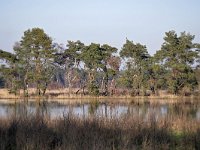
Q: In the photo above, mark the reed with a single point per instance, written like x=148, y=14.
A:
x=63, y=93
x=96, y=133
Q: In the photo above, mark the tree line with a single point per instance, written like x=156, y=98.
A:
x=97, y=69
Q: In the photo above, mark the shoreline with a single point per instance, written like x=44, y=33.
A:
x=110, y=100
x=61, y=95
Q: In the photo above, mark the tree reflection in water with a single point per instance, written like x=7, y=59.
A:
x=142, y=111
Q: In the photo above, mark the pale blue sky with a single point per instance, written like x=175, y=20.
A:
x=101, y=21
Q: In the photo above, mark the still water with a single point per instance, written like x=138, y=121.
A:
x=55, y=109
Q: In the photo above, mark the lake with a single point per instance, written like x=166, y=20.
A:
x=56, y=109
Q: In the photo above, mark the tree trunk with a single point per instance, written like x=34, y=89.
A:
x=106, y=81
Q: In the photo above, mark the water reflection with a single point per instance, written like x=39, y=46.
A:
x=96, y=109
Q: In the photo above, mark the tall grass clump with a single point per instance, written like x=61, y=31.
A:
x=96, y=133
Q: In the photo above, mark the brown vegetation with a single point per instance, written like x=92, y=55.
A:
x=63, y=93
x=97, y=133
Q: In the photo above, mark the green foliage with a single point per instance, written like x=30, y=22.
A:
x=177, y=55
x=92, y=56
x=197, y=74
x=97, y=58
x=9, y=57
x=137, y=62
x=93, y=89
x=36, y=56
x=69, y=61
x=73, y=51
x=9, y=72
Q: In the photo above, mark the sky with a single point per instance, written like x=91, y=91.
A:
x=99, y=21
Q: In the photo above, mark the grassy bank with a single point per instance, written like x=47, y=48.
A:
x=71, y=133
x=63, y=95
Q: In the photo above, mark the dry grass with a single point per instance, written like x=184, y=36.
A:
x=71, y=133
x=4, y=93
x=63, y=94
